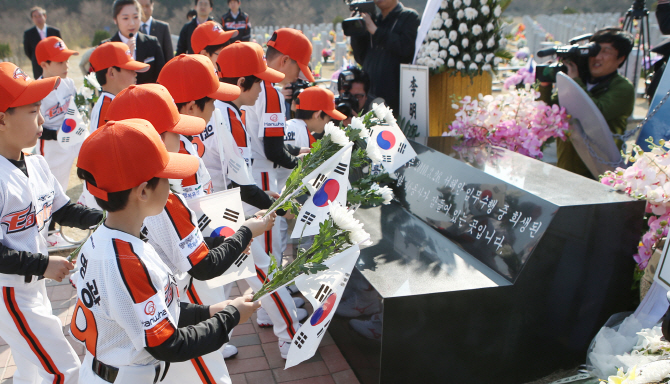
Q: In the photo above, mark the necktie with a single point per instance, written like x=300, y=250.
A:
x=43, y=34
x=143, y=29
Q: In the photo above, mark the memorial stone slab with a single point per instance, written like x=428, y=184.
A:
x=490, y=266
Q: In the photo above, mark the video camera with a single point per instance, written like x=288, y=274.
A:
x=296, y=87
x=578, y=54
x=346, y=102
x=355, y=26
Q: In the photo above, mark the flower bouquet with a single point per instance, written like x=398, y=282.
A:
x=87, y=95
x=516, y=121
x=648, y=178
x=465, y=36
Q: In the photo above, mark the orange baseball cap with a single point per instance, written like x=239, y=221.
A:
x=192, y=77
x=210, y=33
x=296, y=45
x=241, y=59
x=17, y=88
x=53, y=49
x=124, y=154
x=319, y=99
x=115, y=54
x=132, y=102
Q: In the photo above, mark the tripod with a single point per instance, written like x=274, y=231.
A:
x=638, y=11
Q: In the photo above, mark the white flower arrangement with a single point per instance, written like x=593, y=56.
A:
x=467, y=36
x=337, y=135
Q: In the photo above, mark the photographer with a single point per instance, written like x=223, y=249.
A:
x=612, y=93
x=389, y=42
x=353, y=87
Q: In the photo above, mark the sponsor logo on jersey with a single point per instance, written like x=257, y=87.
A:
x=155, y=319
x=150, y=308
x=273, y=117
x=58, y=109
x=27, y=218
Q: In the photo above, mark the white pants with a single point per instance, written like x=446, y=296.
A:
x=35, y=336
x=127, y=374
x=271, y=240
x=59, y=159
x=210, y=368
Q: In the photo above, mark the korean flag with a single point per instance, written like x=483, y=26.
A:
x=393, y=145
x=331, y=186
x=324, y=291
x=73, y=130
x=221, y=214
x=232, y=161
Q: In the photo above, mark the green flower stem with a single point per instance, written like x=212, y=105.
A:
x=75, y=253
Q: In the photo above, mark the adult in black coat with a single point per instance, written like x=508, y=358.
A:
x=143, y=48
x=157, y=28
x=389, y=42
x=32, y=36
x=204, y=9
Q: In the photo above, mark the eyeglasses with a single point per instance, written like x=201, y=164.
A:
x=359, y=96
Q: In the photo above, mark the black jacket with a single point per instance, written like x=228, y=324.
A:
x=663, y=16
x=31, y=37
x=147, y=50
x=239, y=23
x=382, y=53
x=184, y=43
x=161, y=30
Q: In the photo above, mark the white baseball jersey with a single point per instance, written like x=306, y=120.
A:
x=127, y=299
x=100, y=110
x=266, y=118
x=26, y=204
x=199, y=184
x=55, y=105
x=176, y=238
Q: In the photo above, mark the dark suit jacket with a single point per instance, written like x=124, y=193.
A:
x=161, y=30
x=30, y=40
x=184, y=43
x=147, y=47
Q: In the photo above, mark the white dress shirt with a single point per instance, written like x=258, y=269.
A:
x=42, y=32
x=148, y=24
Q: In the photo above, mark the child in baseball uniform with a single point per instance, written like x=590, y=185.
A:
x=315, y=107
x=115, y=70
x=129, y=312
x=30, y=198
x=209, y=39
x=289, y=52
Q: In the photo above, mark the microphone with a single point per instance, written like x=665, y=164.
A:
x=130, y=35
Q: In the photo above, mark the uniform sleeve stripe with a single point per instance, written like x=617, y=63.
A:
x=274, y=132
x=179, y=215
x=272, y=104
x=159, y=333
x=103, y=111
x=191, y=180
x=202, y=370
x=200, y=253
x=133, y=272
x=236, y=128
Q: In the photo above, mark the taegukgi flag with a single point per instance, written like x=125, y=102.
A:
x=73, y=130
x=233, y=161
x=221, y=214
x=331, y=186
x=393, y=145
x=324, y=291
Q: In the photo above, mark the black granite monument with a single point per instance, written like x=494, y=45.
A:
x=492, y=268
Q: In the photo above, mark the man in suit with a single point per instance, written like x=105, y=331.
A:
x=148, y=51
x=157, y=28
x=204, y=9
x=32, y=36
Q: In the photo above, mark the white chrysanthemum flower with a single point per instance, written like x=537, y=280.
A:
x=457, y=3
x=430, y=63
x=453, y=50
x=471, y=13
x=445, y=4
x=384, y=113
x=460, y=14
x=421, y=61
x=86, y=92
x=483, y=2
x=344, y=220
x=476, y=29
x=433, y=54
x=491, y=43
x=466, y=57
x=497, y=60
x=444, y=42
x=463, y=28
x=485, y=10
x=443, y=54
x=486, y=67
x=453, y=35
x=444, y=15
x=357, y=123
x=473, y=67
x=337, y=135
x=442, y=33
x=479, y=45
x=467, y=2
x=436, y=23
x=479, y=58
x=502, y=42
x=448, y=23
x=433, y=34
x=465, y=43
x=497, y=11
x=489, y=57
x=439, y=62
x=93, y=81
x=460, y=65
x=433, y=46
x=374, y=153
x=451, y=63
x=489, y=27
x=385, y=192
